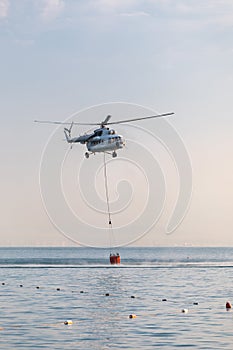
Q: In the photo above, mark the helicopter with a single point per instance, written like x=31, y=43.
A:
x=102, y=139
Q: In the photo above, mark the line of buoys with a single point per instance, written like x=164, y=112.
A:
x=184, y=310
x=228, y=304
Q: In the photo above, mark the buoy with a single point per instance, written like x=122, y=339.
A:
x=37, y=287
x=107, y=294
x=81, y=291
x=132, y=316
x=68, y=322
x=195, y=303
x=3, y=284
x=58, y=289
x=164, y=299
x=21, y=285
x=115, y=259
x=132, y=297
x=228, y=305
x=185, y=311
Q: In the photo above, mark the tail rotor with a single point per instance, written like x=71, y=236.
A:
x=67, y=133
x=69, y=130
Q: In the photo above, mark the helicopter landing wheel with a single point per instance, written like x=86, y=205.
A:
x=87, y=155
x=114, y=154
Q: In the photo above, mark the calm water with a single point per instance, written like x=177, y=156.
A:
x=73, y=283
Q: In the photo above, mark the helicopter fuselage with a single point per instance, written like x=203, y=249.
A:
x=104, y=140
x=101, y=140
x=105, y=144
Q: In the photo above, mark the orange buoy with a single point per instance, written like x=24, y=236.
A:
x=115, y=259
x=132, y=316
x=68, y=322
x=185, y=311
x=228, y=305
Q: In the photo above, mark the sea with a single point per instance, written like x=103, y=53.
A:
x=72, y=298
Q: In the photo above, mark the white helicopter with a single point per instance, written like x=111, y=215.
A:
x=102, y=139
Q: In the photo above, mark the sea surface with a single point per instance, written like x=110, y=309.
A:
x=42, y=288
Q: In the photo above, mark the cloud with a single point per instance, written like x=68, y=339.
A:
x=4, y=7
x=25, y=42
x=117, y=3
x=114, y=6
x=52, y=9
x=135, y=14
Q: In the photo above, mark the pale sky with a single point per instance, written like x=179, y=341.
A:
x=62, y=56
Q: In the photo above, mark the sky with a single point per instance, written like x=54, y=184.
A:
x=59, y=57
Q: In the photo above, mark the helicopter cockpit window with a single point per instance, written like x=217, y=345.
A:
x=98, y=133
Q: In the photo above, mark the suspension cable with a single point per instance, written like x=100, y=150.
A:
x=106, y=192
x=112, y=242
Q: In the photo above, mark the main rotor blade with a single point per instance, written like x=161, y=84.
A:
x=135, y=119
x=105, y=122
x=64, y=123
